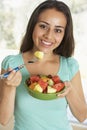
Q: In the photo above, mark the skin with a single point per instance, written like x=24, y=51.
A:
x=48, y=34
x=49, y=31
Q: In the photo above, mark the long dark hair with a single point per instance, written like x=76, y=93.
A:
x=67, y=45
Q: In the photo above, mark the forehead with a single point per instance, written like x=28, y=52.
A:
x=52, y=16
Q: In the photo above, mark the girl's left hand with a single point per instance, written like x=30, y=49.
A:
x=67, y=89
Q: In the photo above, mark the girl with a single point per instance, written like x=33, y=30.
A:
x=49, y=30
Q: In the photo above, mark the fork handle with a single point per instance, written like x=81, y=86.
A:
x=6, y=74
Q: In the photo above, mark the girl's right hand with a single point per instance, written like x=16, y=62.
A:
x=13, y=80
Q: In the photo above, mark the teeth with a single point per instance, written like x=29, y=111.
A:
x=46, y=43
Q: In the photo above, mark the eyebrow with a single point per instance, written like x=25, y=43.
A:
x=55, y=26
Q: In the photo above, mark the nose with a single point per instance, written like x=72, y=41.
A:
x=48, y=34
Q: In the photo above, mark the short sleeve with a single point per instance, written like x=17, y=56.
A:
x=7, y=62
x=11, y=61
x=73, y=67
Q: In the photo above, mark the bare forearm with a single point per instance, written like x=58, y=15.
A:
x=7, y=99
x=77, y=105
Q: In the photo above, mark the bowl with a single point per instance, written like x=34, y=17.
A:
x=39, y=93
x=43, y=96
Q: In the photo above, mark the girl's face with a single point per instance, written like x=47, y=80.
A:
x=49, y=30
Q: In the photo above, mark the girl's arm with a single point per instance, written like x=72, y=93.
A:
x=7, y=95
x=75, y=97
x=9, y=125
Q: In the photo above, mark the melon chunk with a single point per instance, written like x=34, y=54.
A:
x=51, y=90
x=39, y=54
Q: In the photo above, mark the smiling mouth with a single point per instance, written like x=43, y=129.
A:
x=46, y=43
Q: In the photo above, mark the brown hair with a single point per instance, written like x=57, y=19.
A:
x=67, y=45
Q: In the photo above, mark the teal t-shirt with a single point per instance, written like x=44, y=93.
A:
x=34, y=114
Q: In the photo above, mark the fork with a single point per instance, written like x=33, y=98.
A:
x=5, y=75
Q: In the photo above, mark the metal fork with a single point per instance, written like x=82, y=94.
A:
x=5, y=75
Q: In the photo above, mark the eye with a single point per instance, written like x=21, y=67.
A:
x=58, y=30
x=43, y=26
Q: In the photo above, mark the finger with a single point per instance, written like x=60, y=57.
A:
x=67, y=83
x=16, y=79
x=65, y=92
x=11, y=75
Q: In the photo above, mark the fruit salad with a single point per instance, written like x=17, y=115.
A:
x=45, y=84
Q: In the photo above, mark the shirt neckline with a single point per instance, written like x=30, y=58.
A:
x=58, y=72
